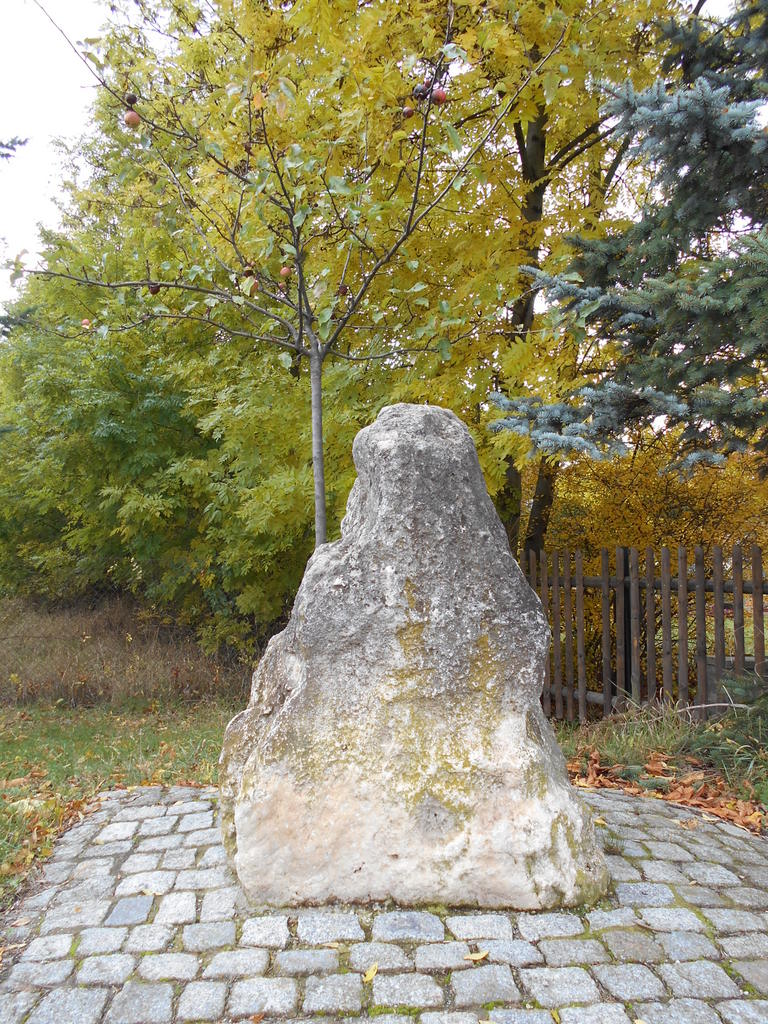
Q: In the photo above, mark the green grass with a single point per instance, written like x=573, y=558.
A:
x=734, y=746
x=54, y=758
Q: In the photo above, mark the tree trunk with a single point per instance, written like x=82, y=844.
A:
x=532, y=145
x=318, y=460
x=508, y=501
x=543, y=497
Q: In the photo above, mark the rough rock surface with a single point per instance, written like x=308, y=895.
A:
x=394, y=746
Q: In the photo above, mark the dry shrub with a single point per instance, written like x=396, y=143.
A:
x=107, y=651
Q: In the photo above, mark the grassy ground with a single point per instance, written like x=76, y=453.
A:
x=92, y=698
x=52, y=759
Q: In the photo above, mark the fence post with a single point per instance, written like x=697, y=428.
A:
x=717, y=586
x=580, y=649
x=650, y=623
x=666, y=624
x=682, y=626
x=702, y=695
x=738, y=609
x=557, y=652
x=606, y=638
x=758, y=623
x=634, y=625
x=568, y=615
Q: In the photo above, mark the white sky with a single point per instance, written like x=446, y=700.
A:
x=45, y=93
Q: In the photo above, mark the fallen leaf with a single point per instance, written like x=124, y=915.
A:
x=600, y=821
x=476, y=957
x=555, y=1016
x=689, y=823
x=21, y=922
x=331, y=945
x=256, y=1018
x=371, y=973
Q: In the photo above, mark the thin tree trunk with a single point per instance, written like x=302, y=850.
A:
x=318, y=460
x=508, y=503
x=543, y=497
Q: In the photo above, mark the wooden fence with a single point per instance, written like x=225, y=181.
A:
x=617, y=637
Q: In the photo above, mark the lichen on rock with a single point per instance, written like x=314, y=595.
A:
x=394, y=746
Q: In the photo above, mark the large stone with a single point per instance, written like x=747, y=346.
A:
x=394, y=746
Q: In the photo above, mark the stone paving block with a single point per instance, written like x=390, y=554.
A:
x=269, y=931
x=605, y=1013
x=139, y=862
x=480, y=926
x=306, y=961
x=131, y=910
x=739, y=1011
x=176, y=860
x=443, y=1017
x=202, y=1000
x=417, y=925
x=389, y=957
x=116, y=831
x=100, y=940
x=168, y=966
x=317, y=928
x=443, y=957
x=748, y=896
x=668, y=851
x=58, y=871
x=548, y=926
x=700, y=895
x=755, y=972
x=633, y=945
x=195, y=822
x=601, y=919
x=520, y=1017
x=83, y=915
x=753, y=944
x=212, y=856
x=203, y=837
x=106, y=850
x=710, y=874
x=152, y=843
x=219, y=904
x=406, y=990
x=516, y=952
x=492, y=984
x=14, y=1006
x=700, y=979
x=156, y=882
x=99, y=888
x=629, y=981
x=203, y=878
x=559, y=986
x=661, y=871
x=140, y=813
x=672, y=919
x=158, y=826
x=644, y=894
x=42, y=974
x=337, y=993
x=112, y=969
x=270, y=996
x=562, y=952
x=177, y=908
x=49, y=947
x=189, y=807
x=69, y=1006
x=621, y=870
x=687, y=946
x=141, y=1003
x=148, y=938
x=201, y=937
x=237, y=963
x=677, y=1011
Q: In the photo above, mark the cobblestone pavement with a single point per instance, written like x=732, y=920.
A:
x=136, y=919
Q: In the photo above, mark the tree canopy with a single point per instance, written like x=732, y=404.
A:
x=676, y=302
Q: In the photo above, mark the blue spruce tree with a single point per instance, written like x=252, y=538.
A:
x=679, y=301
